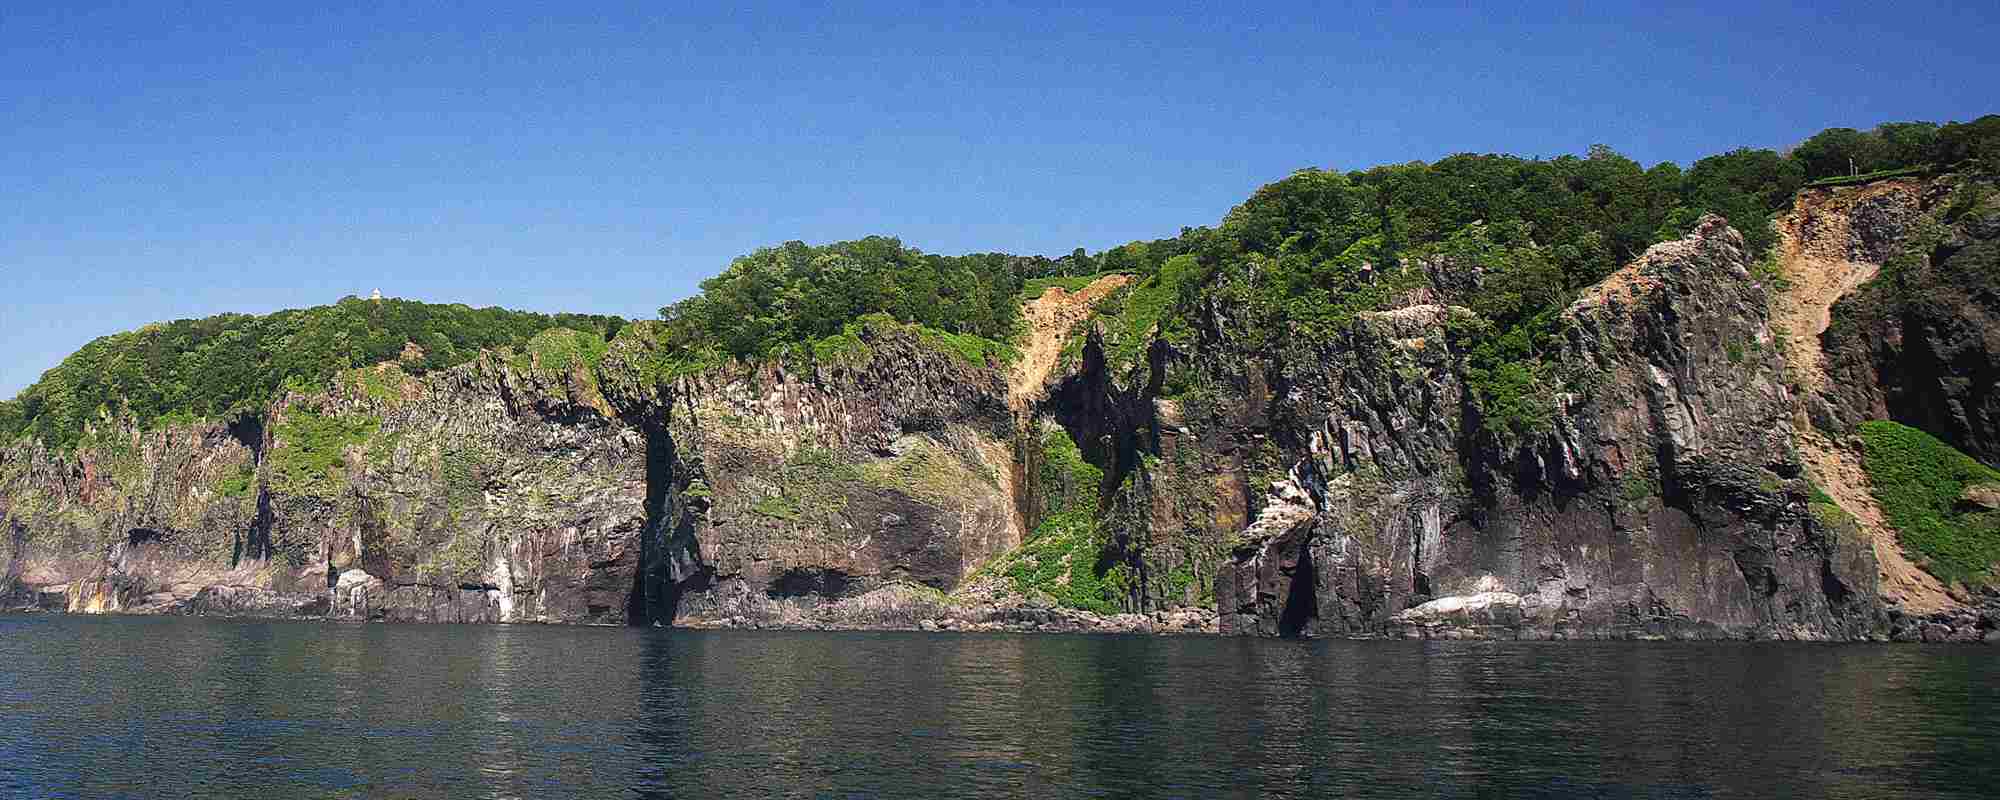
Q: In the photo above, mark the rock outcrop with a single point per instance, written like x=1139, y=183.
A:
x=1344, y=485
x=1662, y=497
x=511, y=490
x=1920, y=345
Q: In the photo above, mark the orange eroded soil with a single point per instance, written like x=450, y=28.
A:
x=1050, y=320
x=1816, y=259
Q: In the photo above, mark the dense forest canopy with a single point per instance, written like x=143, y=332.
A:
x=796, y=294
x=224, y=365
x=1301, y=256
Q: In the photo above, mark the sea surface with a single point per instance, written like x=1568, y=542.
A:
x=174, y=707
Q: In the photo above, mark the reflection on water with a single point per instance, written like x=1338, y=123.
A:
x=177, y=707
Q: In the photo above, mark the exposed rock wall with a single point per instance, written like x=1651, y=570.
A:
x=1663, y=499
x=1920, y=344
x=1337, y=486
x=511, y=490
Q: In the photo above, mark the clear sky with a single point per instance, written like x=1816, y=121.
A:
x=170, y=160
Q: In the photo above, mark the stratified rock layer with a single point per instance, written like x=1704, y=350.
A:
x=1663, y=500
x=1339, y=486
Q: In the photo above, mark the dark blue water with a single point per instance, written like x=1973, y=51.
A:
x=152, y=707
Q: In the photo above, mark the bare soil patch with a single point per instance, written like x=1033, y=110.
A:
x=1815, y=253
x=1050, y=319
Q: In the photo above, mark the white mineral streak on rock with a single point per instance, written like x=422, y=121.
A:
x=1460, y=605
x=503, y=573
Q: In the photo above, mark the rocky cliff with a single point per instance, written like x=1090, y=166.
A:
x=1921, y=344
x=1343, y=485
x=514, y=490
x=1663, y=497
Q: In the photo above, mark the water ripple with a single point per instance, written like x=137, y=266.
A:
x=203, y=708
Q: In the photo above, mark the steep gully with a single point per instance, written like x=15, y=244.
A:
x=1820, y=266
x=670, y=563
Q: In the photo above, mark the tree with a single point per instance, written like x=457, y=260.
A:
x=1974, y=145
x=1906, y=144
x=1839, y=151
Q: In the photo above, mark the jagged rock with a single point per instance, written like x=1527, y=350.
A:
x=1338, y=486
x=253, y=601
x=1982, y=495
x=1659, y=500
x=1923, y=347
x=500, y=491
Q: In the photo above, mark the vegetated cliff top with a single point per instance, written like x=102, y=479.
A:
x=224, y=365
x=1514, y=239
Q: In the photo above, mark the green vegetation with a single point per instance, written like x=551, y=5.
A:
x=463, y=472
x=844, y=348
x=812, y=487
x=1830, y=514
x=1034, y=288
x=557, y=351
x=384, y=382
x=238, y=483
x=1305, y=254
x=966, y=347
x=311, y=449
x=798, y=296
x=1639, y=484
x=222, y=366
x=1135, y=314
x=1062, y=558
x=1514, y=239
x=776, y=506
x=926, y=468
x=1920, y=481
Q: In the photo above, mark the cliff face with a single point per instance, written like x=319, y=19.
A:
x=1333, y=486
x=1662, y=497
x=1921, y=345
x=514, y=490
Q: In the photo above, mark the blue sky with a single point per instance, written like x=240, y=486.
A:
x=170, y=160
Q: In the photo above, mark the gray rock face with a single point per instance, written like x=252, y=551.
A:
x=1662, y=499
x=1921, y=343
x=1345, y=486
x=511, y=490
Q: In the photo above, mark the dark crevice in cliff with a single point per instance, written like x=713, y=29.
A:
x=669, y=565
x=1302, y=599
x=649, y=602
x=374, y=556
x=254, y=543
x=1836, y=589
x=248, y=430
x=1111, y=426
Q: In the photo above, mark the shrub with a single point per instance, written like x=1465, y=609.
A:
x=1919, y=481
x=1062, y=557
x=311, y=450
